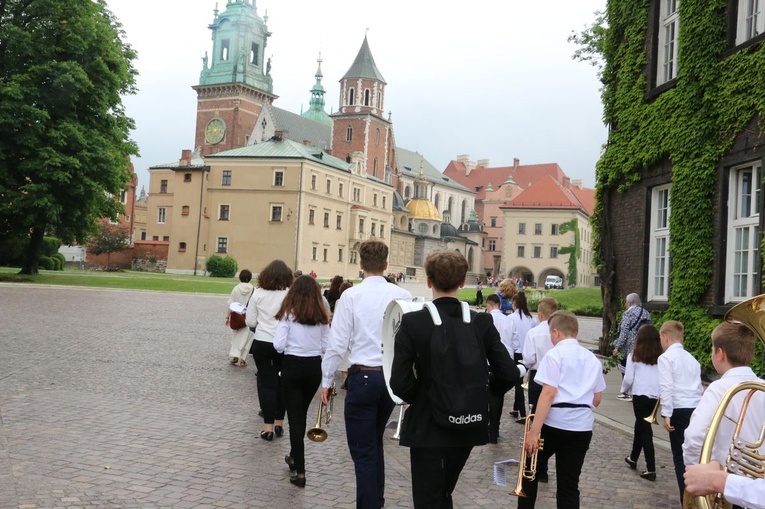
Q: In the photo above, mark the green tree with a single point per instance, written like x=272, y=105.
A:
x=573, y=250
x=64, y=135
x=110, y=238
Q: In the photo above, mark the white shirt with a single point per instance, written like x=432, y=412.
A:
x=261, y=313
x=506, y=329
x=640, y=379
x=702, y=417
x=745, y=491
x=679, y=380
x=537, y=344
x=523, y=324
x=577, y=375
x=301, y=340
x=357, y=324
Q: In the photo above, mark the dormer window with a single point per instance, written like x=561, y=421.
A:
x=254, y=54
x=224, y=49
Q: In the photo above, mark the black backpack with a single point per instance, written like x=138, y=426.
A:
x=641, y=320
x=459, y=375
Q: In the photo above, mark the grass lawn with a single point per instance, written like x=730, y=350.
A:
x=581, y=301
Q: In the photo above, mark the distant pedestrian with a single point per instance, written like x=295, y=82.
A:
x=241, y=339
x=333, y=293
x=507, y=289
x=479, y=293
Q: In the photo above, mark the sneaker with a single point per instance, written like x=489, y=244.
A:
x=624, y=397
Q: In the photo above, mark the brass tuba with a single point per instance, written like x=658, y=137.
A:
x=317, y=434
x=744, y=457
x=526, y=472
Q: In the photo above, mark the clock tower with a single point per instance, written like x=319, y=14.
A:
x=235, y=81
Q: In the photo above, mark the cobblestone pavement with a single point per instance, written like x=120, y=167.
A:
x=126, y=399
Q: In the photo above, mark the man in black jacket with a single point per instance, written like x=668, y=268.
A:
x=438, y=453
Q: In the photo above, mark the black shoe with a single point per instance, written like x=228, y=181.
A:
x=267, y=435
x=521, y=420
x=651, y=476
x=290, y=463
x=630, y=462
x=543, y=478
x=298, y=481
x=514, y=413
x=279, y=431
x=260, y=413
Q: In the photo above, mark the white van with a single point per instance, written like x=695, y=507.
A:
x=555, y=282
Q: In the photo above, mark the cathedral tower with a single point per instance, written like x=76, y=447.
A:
x=359, y=124
x=316, y=109
x=236, y=82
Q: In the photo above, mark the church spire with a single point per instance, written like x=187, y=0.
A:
x=316, y=109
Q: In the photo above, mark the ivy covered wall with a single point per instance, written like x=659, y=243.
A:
x=686, y=126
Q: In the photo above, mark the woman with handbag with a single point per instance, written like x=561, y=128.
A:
x=273, y=283
x=302, y=336
x=241, y=337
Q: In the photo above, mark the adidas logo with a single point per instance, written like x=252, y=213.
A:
x=465, y=419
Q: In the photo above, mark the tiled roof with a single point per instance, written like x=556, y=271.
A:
x=481, y=177
x=586, y=197
x=409, y=165
x=284, y=149
x=364, y=65
x=547, y=193
x=299, y=128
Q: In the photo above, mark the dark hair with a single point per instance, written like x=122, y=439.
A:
x=276, y=276
x=494, y=299
x=647, y=345
x=334, y=287
x=345, y=286
x=446, y=270
x=374, y=255
x=519, y=303
x=245, y=276
x=304, y=303
x=737, y=341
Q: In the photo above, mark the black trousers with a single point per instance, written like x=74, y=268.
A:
x=534, y=391
x=569, y=448
x=519, y=404
x=680, y=419
x=643, y=438
x=301, y=377
x=495, y=414
x=269, y=364
x=435, y=471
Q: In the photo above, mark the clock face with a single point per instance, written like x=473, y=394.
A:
x=215, y=131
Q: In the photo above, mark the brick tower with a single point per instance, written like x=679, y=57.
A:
x=237, y=83
x=359, y=124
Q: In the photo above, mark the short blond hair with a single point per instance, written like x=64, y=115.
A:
x=508, y=288
x=673, y=329
x=565, y=321
x=547, y=306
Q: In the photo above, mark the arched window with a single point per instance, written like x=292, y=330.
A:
x=349, y=134
x=347, y=158
x=366, y=97
x=403, y=223
x=351, y=97
x=449, y=206
x=407, y=192
x=374, y=168
x=437, y=201
x=463, y=212
x=435, y=230
x=377, y=137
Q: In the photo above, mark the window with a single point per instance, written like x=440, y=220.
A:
x=537, y=251
x=537, y=228
x=329, y=186
x=161, y=215
x=311, y=214
x=226, y=178
x=351, y=96
x=521, y=228
x=666, y=68
x=223, y=212
x=349, y=133
x=521, y=251
x=744, y=202
x=385, y=202
x=181, y=246
x=340, y=189
x=382, y=231
x=326, y=220
x=339, y=222
x=224, y=44
x=278, y=178
x=366, y=97
x=356, y=194
x=492, y=245
x=185, y=210
x=165, y=238
x=254, y=54
x=313, y=182
x=163, y=186
x=750, y=22
x=325, y=254
x=493, y=222
x=123, y=196
x=143, y=234
x=187, y=177
x=658, y=261
x=553, y=251
x=155, y=238
x=422, y=228
x=314, y=250
x=354, y=256
x=340, y=254
x=276, y=213
x=373, y=230
x=555, y=229
x=374, y=200
x=361, y=226
x=377, y=137
x=222, y=244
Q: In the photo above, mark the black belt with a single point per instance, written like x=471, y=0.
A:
x=355, y=368
x=570, y=405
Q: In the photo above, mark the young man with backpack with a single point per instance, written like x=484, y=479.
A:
x=440, y=369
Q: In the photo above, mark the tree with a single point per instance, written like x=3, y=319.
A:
x=573, y=250
x=64, y=135
x=110, y=238
x=590, y=42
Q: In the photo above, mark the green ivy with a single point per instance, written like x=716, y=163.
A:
x=691, y=125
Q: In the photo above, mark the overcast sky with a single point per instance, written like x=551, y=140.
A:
x=491, y=79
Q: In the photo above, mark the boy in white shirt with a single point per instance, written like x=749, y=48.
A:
x=732, y=353
x=679, y=389
x=509, y=337
x=710, y=478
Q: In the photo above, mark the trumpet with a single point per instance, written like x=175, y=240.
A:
x=655, y=414
x=317, y=434
x=529, y=473
x=397, y=434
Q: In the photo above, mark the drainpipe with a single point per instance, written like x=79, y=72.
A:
x=299, y=208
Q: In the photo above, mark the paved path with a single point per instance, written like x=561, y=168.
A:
x=125, y=399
